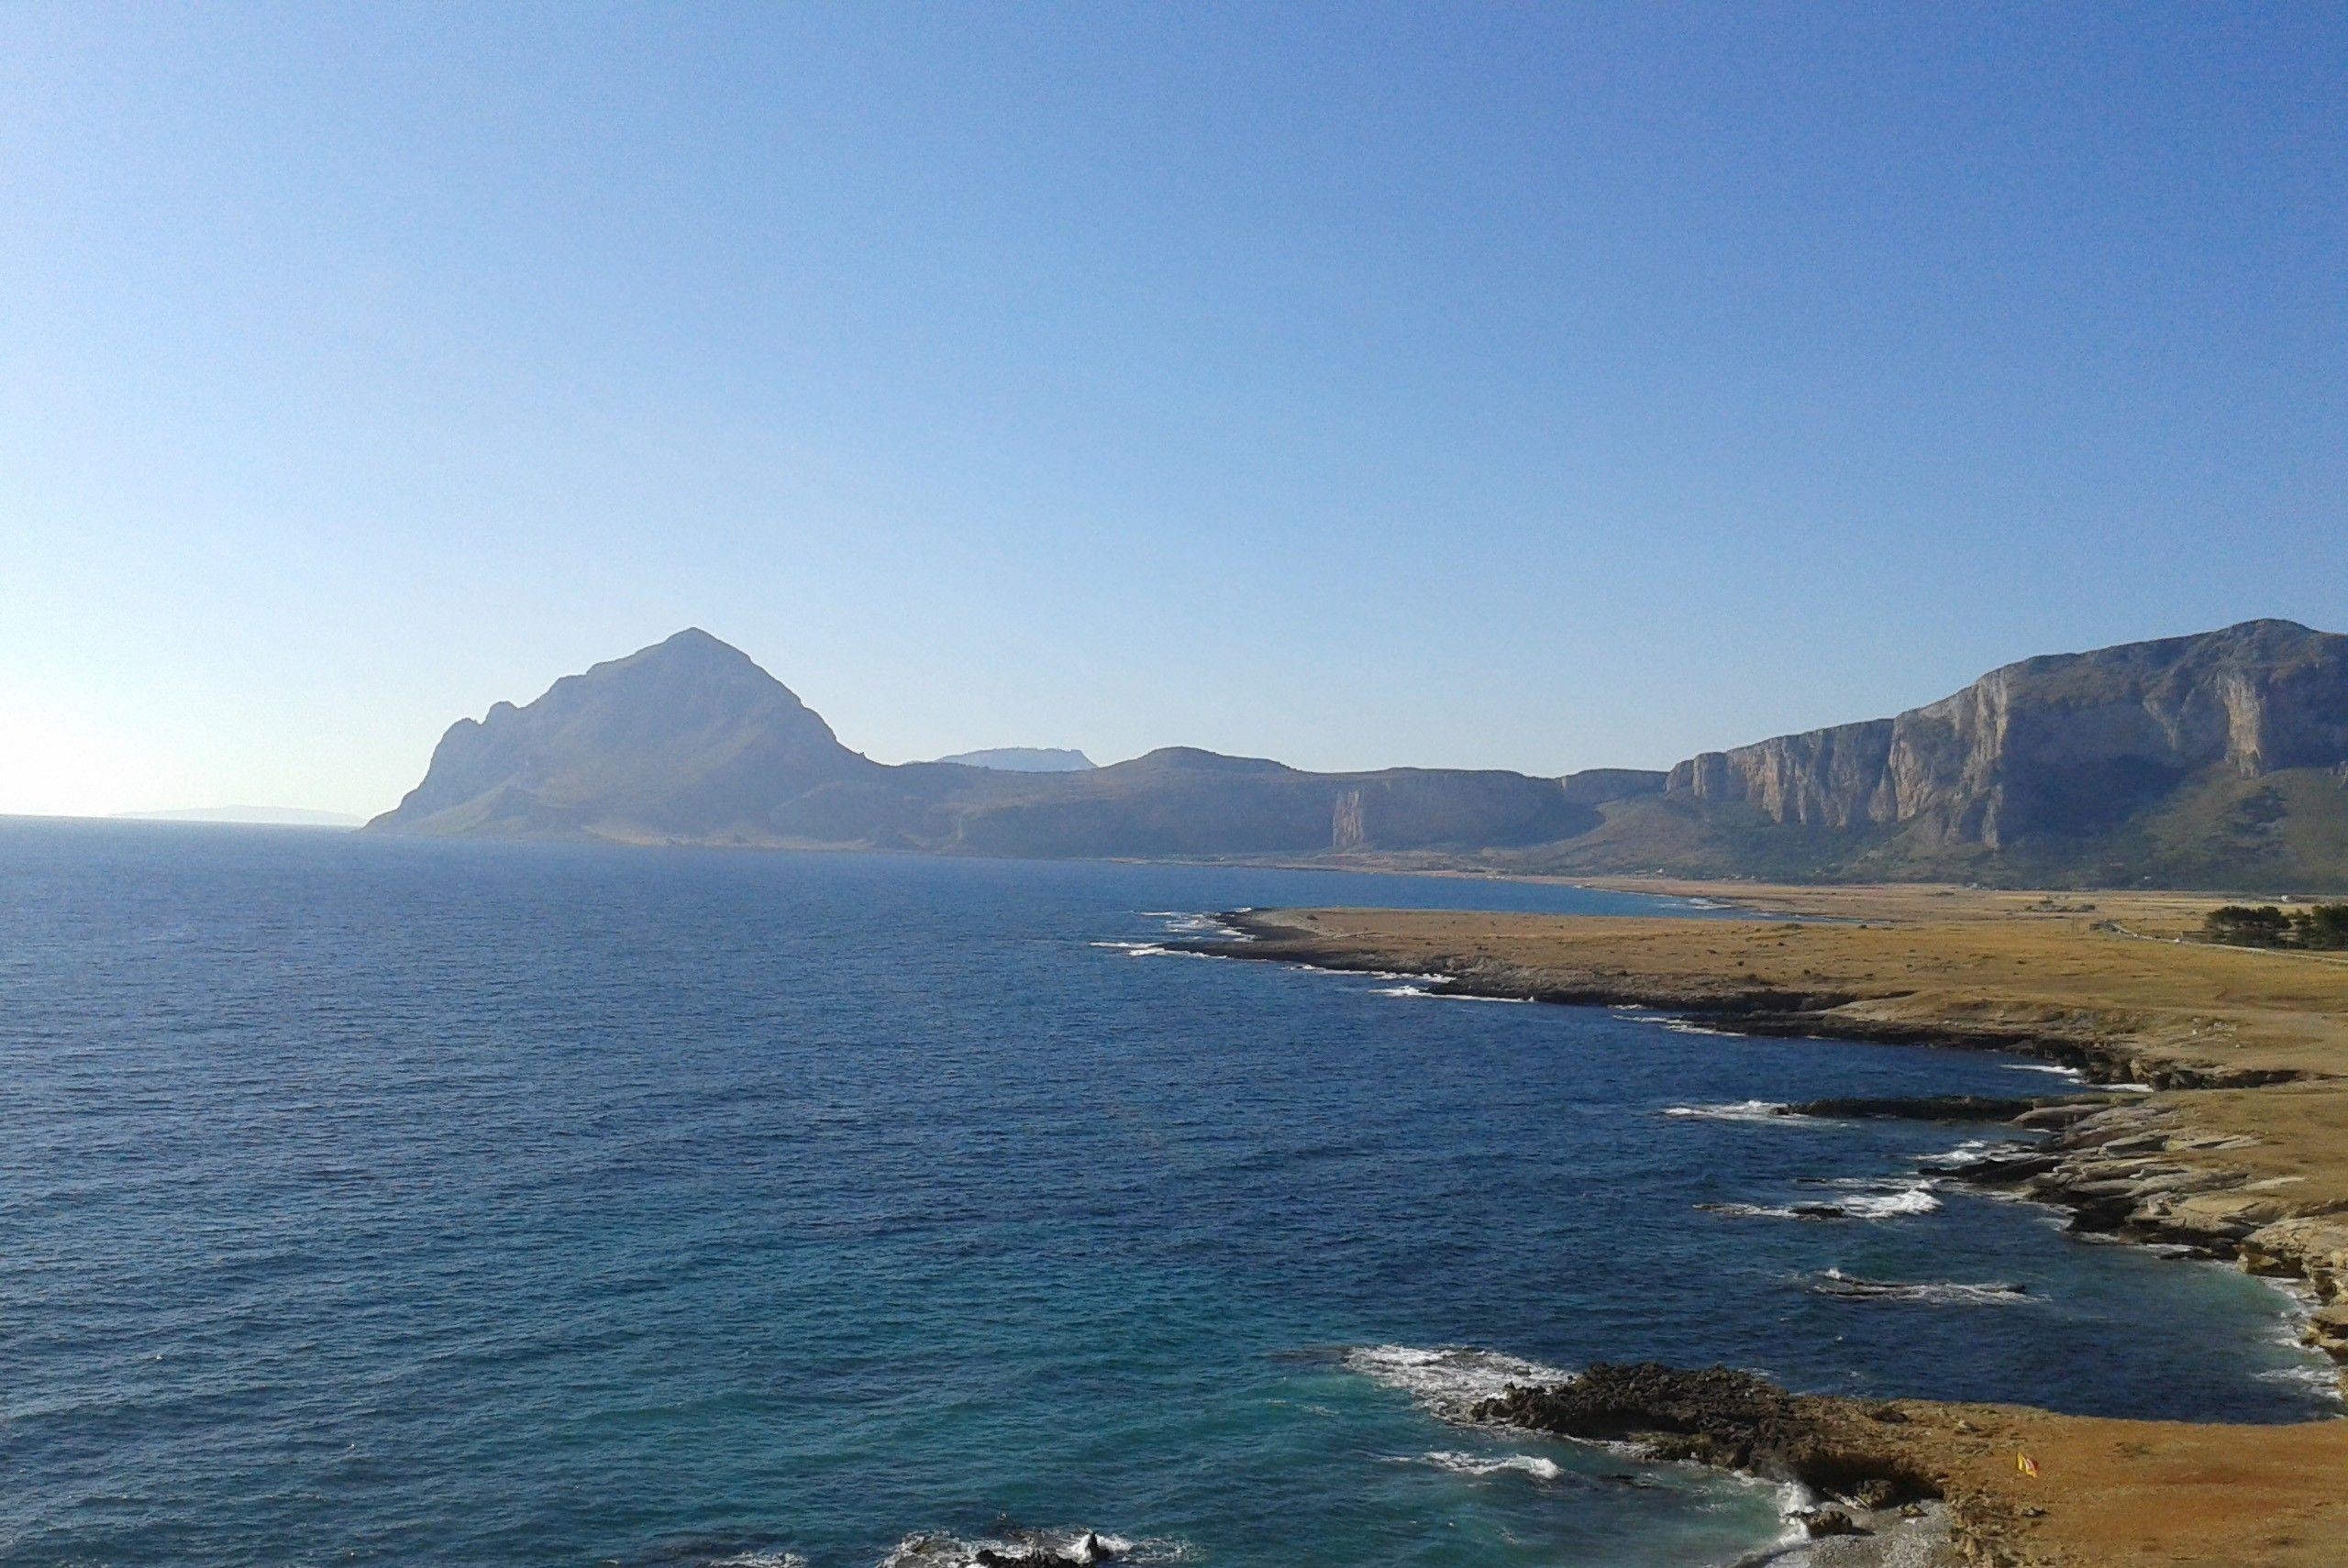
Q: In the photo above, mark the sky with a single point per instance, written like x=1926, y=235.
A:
x=1536, y=387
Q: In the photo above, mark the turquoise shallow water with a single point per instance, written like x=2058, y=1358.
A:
x=365, y=1201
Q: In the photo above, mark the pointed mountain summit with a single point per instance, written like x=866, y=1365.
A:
x=687, y=738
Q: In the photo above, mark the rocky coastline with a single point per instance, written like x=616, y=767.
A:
x=2126, y=1171
x=2182, y=1152
x=2134, y=1169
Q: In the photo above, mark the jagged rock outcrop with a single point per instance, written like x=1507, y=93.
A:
x=2058, y=746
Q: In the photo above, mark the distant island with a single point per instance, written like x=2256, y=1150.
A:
x=257, y=816
x=2218, y=761
x=1023, y=760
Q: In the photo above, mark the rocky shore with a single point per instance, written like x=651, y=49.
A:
x=2137, y=1172
x=2232, y=1143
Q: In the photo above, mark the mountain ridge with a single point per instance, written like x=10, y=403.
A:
x=2214, y=759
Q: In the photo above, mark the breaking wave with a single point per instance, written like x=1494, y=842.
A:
x=1451, y=1381
x=1735, y=1110
x=1193, y=924
x=937, y=1550
x=1150, y=949
x=1412, y=990
x=1460, y=1463
x=1871, y=1200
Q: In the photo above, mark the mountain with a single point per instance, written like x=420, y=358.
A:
x=1023, y=760
x=2218, y=760
x=264, y=816
x=689, y=741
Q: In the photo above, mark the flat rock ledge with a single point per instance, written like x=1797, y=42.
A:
x=2141, y=1173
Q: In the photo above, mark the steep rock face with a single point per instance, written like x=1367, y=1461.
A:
x=2058, y=746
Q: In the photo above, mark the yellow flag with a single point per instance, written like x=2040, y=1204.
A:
x=2026, y=1464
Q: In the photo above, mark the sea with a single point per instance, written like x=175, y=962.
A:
x=367, y=1200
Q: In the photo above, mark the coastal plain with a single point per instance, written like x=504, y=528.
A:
x=2230, y=1138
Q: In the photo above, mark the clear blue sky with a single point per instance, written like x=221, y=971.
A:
x=1536, y=387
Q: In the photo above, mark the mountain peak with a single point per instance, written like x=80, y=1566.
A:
x=694, y=643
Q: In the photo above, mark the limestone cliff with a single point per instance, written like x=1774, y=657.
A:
x=2057, y=746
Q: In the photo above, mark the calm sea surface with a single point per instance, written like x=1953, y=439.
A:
x=365, y=1201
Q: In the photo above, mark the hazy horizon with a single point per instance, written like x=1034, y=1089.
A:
x=1443, y=386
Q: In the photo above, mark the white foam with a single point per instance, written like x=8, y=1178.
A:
x=1915, y=1198
x=1452, y=1381
x=1408, y=990
x=2056, y=1068
x=1851, y=1287
x=1734, y=1110
x=1773, y=1211
x=760, y=1560
x=1150, y=949
x=1459, y=1463
x=2321, y=1376
x=937, y=1550
x=1197, y=922
x=1870, y=1200
x=1684, y=1026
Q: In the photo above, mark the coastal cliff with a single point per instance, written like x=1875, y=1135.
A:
x=2056, y=751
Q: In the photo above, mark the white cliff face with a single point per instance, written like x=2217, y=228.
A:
x=2056, y=744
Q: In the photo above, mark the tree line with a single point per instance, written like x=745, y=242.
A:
x=2318, y=926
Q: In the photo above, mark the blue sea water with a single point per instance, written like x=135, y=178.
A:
x=370, y=1202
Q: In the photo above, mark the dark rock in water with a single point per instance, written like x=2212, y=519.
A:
x=2005, y=1167
x=1036, y=1554
x=1851, y=1287
x=1924, y=1107
x=1828, y=1521
x=1718, y=1417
